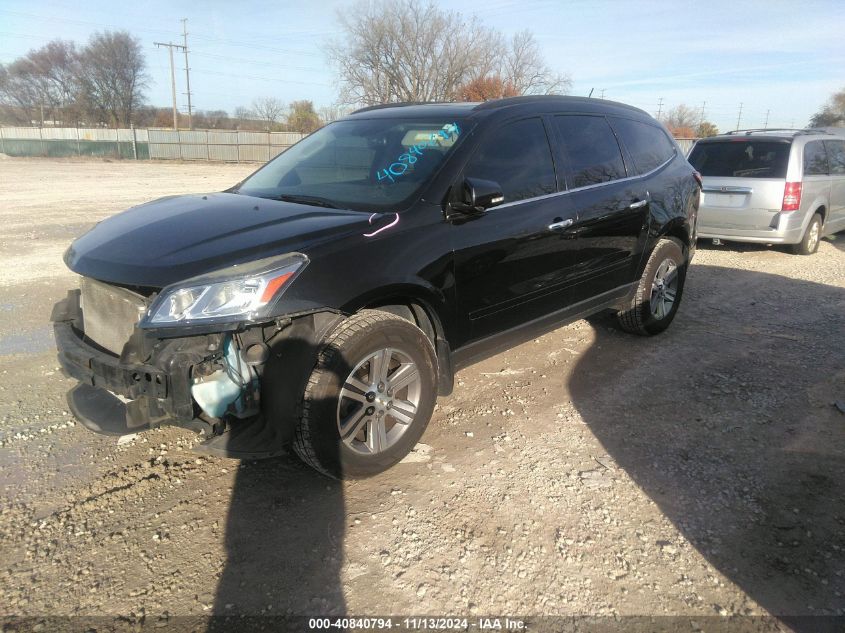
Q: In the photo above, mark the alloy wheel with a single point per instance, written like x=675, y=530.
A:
x=378, y=401
x=813, y=238
x=664, y=289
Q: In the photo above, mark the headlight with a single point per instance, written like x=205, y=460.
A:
x=247, y=291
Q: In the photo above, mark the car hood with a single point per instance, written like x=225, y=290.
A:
x=175, y=238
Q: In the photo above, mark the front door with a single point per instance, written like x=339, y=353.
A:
x=513, y=263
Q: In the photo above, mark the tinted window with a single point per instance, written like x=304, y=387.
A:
x=518, y=157
x=592, y=150
x=741, y=158
x=648, y=145
x=836, y=156
x=815, y=159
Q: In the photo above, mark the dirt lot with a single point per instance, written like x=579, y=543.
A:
x=700, y=473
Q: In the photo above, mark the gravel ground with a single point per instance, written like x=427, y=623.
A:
x=588, y=472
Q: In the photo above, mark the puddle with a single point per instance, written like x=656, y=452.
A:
x=28, y=342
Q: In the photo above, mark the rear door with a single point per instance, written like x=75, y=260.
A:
x=611, y=206
x=836, y=157
x=744, y=179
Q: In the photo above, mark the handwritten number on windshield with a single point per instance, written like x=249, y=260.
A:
x=401, y=165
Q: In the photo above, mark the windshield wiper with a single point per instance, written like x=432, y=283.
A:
x=312, y=200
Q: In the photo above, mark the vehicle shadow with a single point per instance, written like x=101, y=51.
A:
x=726, y=422
x=284, y=543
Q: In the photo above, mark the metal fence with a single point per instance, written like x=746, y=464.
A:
x=234, y=146
x=686, y=144
x=133, y=143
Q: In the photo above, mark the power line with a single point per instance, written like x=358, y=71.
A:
x=201, y=37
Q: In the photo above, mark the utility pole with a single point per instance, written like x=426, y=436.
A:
x=659, y=108
x=701, y=116
x=170, y=46
x=739, y=116
x=766, y=124
x=187, y=72
x=601, y=96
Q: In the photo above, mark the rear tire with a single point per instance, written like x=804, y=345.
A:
x=809, y=244
x=659, y=291
x=369, y=397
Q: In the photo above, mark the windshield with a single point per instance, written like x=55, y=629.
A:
x=365, y=164
x=741, y=158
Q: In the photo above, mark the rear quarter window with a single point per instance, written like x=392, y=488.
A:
x=648, y=145
x=741, y=158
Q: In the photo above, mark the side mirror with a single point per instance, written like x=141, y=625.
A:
x=477, y=196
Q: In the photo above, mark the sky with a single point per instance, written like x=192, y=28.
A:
x=778, y=58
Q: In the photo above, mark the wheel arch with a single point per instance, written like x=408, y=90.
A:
x=427, y=310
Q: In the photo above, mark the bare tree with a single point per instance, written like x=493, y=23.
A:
x=682, y=116
x=269, y=110
x=43, y=84
x=333, y=113
x=523, y=68
x=411, y=51
x=832, y=113
x=112, y=75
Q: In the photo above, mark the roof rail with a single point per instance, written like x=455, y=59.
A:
x=795, y=131
x=398, y=104
x=761, y=129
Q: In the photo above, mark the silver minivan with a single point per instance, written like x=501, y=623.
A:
x=772, y=186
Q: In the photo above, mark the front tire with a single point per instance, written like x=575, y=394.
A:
x=809, y=244
x=659, y=291
x=369, y=397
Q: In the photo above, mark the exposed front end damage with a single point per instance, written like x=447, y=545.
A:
x=210, y=383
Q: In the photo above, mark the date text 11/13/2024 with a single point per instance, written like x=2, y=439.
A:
x=449, y=131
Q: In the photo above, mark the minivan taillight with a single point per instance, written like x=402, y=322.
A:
x=791, y=196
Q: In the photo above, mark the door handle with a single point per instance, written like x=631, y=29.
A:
x=639, y=204
x=561, y=224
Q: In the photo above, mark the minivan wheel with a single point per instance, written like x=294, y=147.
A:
x=659, y=291
x=809, y=244
x=369, y=397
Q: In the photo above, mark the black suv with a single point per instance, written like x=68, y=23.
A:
x=325, y=301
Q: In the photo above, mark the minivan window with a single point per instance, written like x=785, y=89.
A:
x=518, y=157
x=591, y=148
x=836, y=156
x=815, y=159
x=648, y=145
x=741, y=158
x=361, y=164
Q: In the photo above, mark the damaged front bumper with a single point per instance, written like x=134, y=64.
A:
x=201, y=382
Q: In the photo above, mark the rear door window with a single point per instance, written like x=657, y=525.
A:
x=836, y=157
x=591, y=149
x=815, y=159
x=648, y=145
x=741, y=158
x=519, y=158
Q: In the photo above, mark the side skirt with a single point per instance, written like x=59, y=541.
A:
x=490, y=346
